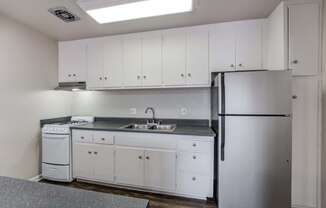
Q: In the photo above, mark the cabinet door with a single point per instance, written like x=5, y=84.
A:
x=132, y=67
x=113, y=58
x=249, y=45
x=197, y=57
x=305, y=144
x=152, y=60
x=129, y=166
x=95, y=61
x=72, y=61
x=222, y=47
x=83, y=161
x=304, y=40
x=103, y=163
x=160, y=170
x=174, y=58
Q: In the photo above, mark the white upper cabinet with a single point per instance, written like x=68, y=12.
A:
x=72, y=61
x=132, y=58
x=113, y=62
x=174, y=57
x=152, y=60
x=222, y=47
x=236, y=46
x=249, y=45
x=198, y=57
x=275, y=40
x=95, y=64
x=304, y=38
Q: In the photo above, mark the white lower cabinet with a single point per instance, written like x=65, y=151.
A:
x=129, y=166
x=170, y=164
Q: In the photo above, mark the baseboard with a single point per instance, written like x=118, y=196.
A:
x=36, y=178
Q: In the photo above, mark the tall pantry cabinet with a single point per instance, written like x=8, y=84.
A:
x=304, y=29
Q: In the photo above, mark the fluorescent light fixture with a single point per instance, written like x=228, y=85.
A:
x=108, y=11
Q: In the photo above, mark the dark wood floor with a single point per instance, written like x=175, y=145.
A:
x=155, y=200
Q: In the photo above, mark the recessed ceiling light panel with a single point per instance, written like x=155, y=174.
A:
x=108, y=11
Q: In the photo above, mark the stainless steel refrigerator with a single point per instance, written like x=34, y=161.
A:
x=251, y=113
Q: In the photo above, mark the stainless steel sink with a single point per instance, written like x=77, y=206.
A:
x=151, y=127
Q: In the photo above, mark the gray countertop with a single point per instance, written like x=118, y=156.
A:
x=116, y=126
x=15, y=193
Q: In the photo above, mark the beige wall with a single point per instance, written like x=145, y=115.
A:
x=167, y=103
x=28, y=70
x=323, y=178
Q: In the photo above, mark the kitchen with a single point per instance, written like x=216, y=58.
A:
x=148, y=89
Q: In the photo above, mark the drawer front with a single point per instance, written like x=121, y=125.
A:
x=82, y=136
x=103, y=138
x=194, y=162
x=55, y=172
x=195, y=146
x=194, y=184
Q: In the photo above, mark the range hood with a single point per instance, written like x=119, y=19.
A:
x=71, y=86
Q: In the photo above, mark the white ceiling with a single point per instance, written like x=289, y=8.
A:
x=35, y=14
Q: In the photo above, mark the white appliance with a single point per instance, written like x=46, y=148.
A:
x=56, y=149
x=252, y=115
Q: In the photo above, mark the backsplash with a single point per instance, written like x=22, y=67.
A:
x=168, y=103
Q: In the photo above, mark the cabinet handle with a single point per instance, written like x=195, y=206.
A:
x=89, y=152
x=294, y=97
x=140, y=157
x=193, y=178
x=147, y=158
x=95, y=153
x=295, y=62
x=194, y=157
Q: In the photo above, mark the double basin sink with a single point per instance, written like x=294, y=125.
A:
x=151, y=127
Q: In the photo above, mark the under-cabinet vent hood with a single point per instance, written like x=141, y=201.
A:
x=71, y=86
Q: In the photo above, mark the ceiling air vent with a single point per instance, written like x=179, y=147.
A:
x=64, y=14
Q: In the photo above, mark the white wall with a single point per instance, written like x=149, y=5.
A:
x=167, y=103
x=28, y=71
x=323, y=178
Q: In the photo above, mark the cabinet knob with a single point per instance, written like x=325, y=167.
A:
x=106, y=78
x=100, y=78
x=138, y=77
x=294, y=97
x=182, y=75
x=140, y=157
x=189, y=74
x=232, y=65
x=145, y=77
x=82, y=137
x=240, y=65
x=95, y=153
x=295, y=62
x=89, y=152
x=194, y=157
x=193, y=178
x=74, y=75
x=103, y=139
x=147, y=158
x=194, y=145
x=69, y=75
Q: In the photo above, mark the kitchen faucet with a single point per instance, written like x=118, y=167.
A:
x=153, y=121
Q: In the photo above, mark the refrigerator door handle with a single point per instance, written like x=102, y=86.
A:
x=222, y=138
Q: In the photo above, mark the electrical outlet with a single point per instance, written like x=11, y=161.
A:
x=132, y=111
x=184, y=111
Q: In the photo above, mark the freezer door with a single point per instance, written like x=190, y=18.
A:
x=256, y=170
x=265, y=92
